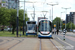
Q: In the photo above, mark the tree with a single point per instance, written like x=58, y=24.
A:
x=70, y=25
x=9, y=17
x=21, y=15
x=57, y=21
x=4, y=16
x=13, y=18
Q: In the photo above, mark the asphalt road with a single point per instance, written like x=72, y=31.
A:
x=70, y=35
x=68, y=43
x=1, y=40
x=11, y=43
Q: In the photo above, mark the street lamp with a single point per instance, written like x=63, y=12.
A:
x=66, y=13
x=52, y=8
x=24, y=18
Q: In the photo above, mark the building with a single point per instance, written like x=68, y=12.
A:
x=70, y=17
x=9, y=4
x=0, y=2
x=12, y=4
x=4, y=3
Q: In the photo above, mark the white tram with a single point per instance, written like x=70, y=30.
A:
x=31, y=28
x=44, y=28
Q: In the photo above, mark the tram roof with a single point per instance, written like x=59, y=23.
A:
x=43, y=19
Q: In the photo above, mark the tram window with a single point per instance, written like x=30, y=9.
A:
x=50, y=27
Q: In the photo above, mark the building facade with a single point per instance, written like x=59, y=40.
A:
x=12, y=4
x=9, y=4
x=70, y=17
x=0, y=2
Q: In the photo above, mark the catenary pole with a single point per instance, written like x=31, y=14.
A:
x=24, y=18
x=17, y=16
x=66, y=13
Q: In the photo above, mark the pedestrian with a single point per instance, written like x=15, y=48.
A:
x=57, y=31
x=54, y=30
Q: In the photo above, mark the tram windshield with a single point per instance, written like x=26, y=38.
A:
x=31, y=26
x=45, y=25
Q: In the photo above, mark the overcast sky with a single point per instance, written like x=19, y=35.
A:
x=42, y=6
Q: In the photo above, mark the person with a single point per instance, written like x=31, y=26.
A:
x=54, y=30
x=57, y=31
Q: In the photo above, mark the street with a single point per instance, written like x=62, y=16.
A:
x=35, y=43
x=11, y=43
x=68, y=42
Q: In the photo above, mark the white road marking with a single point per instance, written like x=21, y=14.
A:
x=65, y=42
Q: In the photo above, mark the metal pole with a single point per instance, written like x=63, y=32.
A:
x=17, y=17
x=44, y=16
x=34, y=12
x=65, y=19
x=52, y=13
x=66, y=13
x=32, y=16
x=52, y=9
x=71, y=26
x=60, y=18
x=24, y=18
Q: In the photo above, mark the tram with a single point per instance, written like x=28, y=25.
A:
x=31, y=28
x=44, y=28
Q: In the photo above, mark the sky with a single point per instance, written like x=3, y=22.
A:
x=41, y=5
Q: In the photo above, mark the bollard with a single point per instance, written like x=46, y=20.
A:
x=64, y=32
x=63, y=36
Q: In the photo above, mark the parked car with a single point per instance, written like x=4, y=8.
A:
x=60, y=31
x=8, y=29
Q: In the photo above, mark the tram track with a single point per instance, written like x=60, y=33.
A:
x=16, y=44
x=10, y=43
x=6, y=41
x=54, y=44
x=47, y=46
x=40, y=45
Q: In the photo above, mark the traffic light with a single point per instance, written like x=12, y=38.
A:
x=63, y=23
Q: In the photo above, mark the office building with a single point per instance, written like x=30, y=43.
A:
x=70, y=17
x=9, y=4
x=12, y=4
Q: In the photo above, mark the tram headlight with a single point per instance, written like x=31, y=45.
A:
x=41, y=32
x=47, y=32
